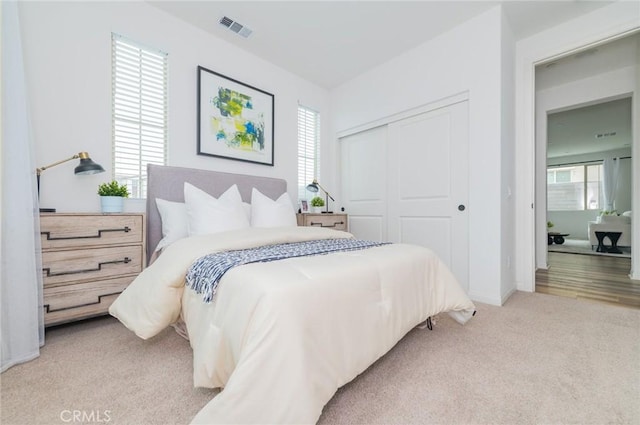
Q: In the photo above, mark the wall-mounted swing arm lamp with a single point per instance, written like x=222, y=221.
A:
x=314, y=187
x=86, y=166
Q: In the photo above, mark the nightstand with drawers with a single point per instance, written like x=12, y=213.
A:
x=88, y=259
x=333, y=221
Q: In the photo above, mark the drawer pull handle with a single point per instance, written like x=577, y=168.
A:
x=125, y=229
x=335, y=224
x=48, y=308
x=49, y=274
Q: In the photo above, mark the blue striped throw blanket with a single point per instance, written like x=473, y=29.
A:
x=205, y=273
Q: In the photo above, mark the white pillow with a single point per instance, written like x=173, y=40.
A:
x=174, y=222
x=247, y=210
x=207, y=214
x=266, y=212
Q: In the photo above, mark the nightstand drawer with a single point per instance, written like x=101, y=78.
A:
x=72, y=302
x=332, y=221
x=77, y=230
x=65, y=267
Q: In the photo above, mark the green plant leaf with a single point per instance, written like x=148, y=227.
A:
x=113, y=188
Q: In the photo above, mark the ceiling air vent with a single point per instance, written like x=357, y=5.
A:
x=601, y=135
x=236, y=27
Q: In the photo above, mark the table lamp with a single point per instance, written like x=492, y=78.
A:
x=86, y=166
x=314, y=187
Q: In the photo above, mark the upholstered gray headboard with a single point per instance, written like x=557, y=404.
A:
x=167, y=183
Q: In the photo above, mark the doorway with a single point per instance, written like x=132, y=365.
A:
x=590, y=83
x=538, y=50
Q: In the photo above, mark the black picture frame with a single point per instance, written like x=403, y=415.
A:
x=235, y=120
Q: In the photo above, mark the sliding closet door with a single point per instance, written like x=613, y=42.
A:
x=428, y=184
x=364, y=182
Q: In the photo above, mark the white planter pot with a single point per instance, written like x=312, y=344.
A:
x=317, y=210
x=111, y=204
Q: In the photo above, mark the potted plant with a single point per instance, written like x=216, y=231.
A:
x=605, y=213
x=112, y=196
x=317, y=203
x=549, y=232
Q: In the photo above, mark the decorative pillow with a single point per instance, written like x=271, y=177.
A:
x=174, y=222
x=266, y=212
x=207, y=214
x=247, y=210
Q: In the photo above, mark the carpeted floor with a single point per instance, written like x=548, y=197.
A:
x=577, y=246
x=539, y=359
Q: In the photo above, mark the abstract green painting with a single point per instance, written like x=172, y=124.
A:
x=235, y=120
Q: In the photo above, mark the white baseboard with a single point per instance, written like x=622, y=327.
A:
x=481, y=298
x=506, y=296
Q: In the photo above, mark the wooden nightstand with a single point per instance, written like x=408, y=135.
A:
x=334, y=221
x=87, y=260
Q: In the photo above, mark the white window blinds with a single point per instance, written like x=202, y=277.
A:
x=308, y=148
x=139, y=112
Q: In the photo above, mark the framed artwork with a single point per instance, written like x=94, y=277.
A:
x=235, y=120
x=304, y=206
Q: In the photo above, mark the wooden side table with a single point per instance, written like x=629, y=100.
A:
x=87, y=260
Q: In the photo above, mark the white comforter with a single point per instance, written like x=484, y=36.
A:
x=282, y=337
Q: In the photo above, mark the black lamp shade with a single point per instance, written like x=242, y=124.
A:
x=87, y=166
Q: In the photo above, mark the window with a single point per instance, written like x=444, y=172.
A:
x=574, y=187
x=139, y=112
x=308, y=148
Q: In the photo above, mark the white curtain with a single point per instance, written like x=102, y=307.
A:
x=611, y=172
x=22, y=329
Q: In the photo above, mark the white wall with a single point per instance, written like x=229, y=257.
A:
x=606, y=22
x=67, y=48
x=575, y=223
x=465, y=59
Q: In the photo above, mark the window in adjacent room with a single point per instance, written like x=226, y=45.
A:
x=308, y=148
x=139, y=112
x=574, y=187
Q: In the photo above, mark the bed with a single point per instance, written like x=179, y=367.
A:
x=280, y=337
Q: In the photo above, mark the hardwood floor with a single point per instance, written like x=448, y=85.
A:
x=591, y=277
